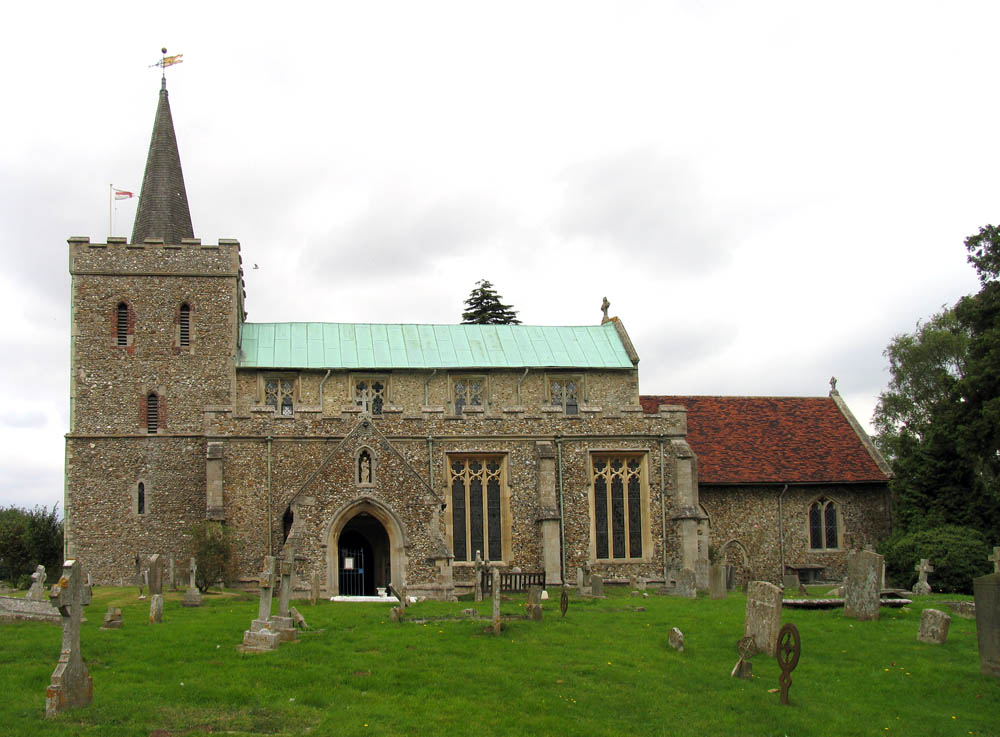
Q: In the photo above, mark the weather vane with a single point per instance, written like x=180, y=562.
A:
x=167, y=61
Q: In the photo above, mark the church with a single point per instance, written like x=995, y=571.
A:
x=400, y=454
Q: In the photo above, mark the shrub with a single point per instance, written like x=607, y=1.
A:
x=29, y=538
x=958, y=555
x=212, y=546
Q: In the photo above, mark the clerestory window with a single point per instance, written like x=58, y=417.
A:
x=279, y=395
x=565, y=392
x=469, y=391
x=370, y=394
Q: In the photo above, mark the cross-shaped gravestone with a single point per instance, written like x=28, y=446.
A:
x=921, y=587
x=996, y=559
x=479, y=577
x=37, y=590
x=71, y=684
x=192, y=597
x=267, y=581
x=287, y=570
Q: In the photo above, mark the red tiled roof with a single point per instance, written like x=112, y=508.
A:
x=772, y=440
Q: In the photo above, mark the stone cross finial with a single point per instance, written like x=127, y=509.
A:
x=71, y=684
x=996, y=559
x=833, y=385
x=267, y=581
x=605, y=306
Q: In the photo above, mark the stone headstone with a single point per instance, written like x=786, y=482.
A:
x=71, y=685
x=155, y=574
x=596, y=586
x=267, y=581
x=112, y=619
x=921, y=587
x=297, y=619
x=261, y=637
x=933, y=626
x=497, y=624
x=763, y=615
x=282, y=621
x=717, y=582
x=470, y=613
x=641, y=583
x=396, y=614
x=535, y=595
x=314, y=588
x=586, y=573
x=478, y=573
x=192, y=597
x=995, y=559
x=676, y=639
x=863, y=585
x=170, y=573
x=685, y=587
x=987, y=592
x=37, y=590
x=156, y=608
x=790, y=582
x=633, y=583
x=581, y=586
x=963, y=609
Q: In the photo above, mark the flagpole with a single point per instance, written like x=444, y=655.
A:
x=111, y=192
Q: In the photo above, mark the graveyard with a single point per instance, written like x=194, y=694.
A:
x=605, y=668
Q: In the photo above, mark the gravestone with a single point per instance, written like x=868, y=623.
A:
x=260, y=637
x=564, y=601
x=746, y=649
x=685, y=587
x=139, y=578
x=790, y=582
x=71, y=684
x=297, y=619
x=763, y=615
x=933, y=626
x=497, y=624
x=863, y=585
x=995, y=559
x=282, y=622
x=155, y=574
x=641, y=584
x=596, y=586
x=170, y=573
x=633, y=583
x=787, y=652
x=113, y=619
x=314, y=588
x=581, y=587
x=676, y=639
x=586, y=573
x=921, y=587
x=37, y=590
x=987, y=592
x=717, y=582
x=156, y=608
x=478, y=573
x=192, y=597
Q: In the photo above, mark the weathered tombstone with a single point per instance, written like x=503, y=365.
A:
x=155, y=574
x=717, y=582
x=789, y=649
x=260, y=637
x=156, y=608
x=581, y=587
x=862, y=588
x=746, y=648
x=497, y=624
x=314, y=588
x=987, y=592
x=596, y=586
x=396, y=614
x=534, y=603
x=763, y=615
x=586, y=573
x=140, y=577
x=170, y=573
x=563, y=601
x=921, y=587
x=478, y=573
x=933, y=626
x=297, y=619
x=192, y=597
x=995, y=559
x=633, y=583
x=676, y=639
x=685, y=587
x=790, y=582
x=283, y=621
x=641, y=584
x=37, y=590
x=71, y=684
x=112, y=619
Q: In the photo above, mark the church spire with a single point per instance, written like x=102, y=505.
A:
x=163, y=206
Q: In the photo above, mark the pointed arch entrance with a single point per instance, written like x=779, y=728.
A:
x=365, y=549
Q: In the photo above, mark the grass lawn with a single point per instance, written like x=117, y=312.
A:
x=605, y=669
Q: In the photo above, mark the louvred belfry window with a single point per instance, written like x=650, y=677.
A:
x=124, y=324
x=152, y=413
x=477, y=507
x=618, y=506
x=185, y=325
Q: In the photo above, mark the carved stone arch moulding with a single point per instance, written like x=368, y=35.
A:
x=390, y=521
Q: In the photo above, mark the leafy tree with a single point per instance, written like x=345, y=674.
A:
x=484, y=307
x=958, y=555
x=212, y=545
x=29, y=538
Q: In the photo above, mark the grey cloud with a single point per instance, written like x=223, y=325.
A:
x=22, y=420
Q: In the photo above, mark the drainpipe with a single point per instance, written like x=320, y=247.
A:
x=562, y=525
x=321, y=390
x=781, y=529
x=427, y=381
x=519, y=382
x=270, y=513
x=663, y=515
x=430, y=459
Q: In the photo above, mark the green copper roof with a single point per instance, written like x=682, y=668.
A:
x=324, y=345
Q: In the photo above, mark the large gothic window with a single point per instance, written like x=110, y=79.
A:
x=824, y=525
x=478, y=520
x=619, y=494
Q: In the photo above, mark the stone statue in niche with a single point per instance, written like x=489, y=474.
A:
x=364, y=467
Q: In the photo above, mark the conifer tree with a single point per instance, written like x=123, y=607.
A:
x=484, y=307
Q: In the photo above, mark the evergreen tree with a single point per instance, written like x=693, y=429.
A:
x=483, y=307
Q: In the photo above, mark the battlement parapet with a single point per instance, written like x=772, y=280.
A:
x=153, y=257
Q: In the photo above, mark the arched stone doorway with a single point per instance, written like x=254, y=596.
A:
x=365, y=549
x=734, y=555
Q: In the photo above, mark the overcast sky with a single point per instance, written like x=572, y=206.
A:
x=766, y=192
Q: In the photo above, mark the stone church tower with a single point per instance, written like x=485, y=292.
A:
x=383, y=454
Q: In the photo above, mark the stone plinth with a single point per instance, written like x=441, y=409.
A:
x=259, y=638
x=285, y=627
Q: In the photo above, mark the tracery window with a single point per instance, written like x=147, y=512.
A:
x=370, y=394
x=564, y=392
x=619, y=492
x=477, y=506
x=279, y=394
x=469, y=391
x=824, y=525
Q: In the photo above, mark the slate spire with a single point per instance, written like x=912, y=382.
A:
x=163, y=206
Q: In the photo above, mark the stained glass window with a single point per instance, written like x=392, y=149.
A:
x=618, y=506
x=476, y=507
